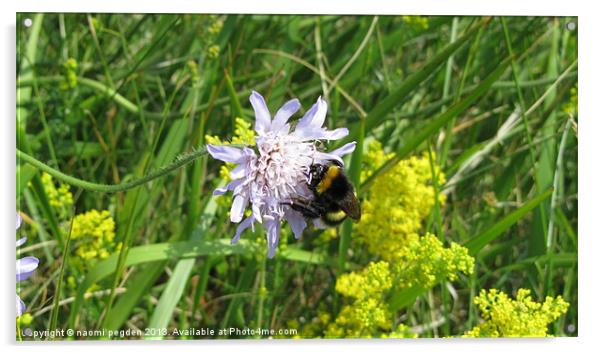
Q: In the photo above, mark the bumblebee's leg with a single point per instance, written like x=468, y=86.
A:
x=307, y=211
x=308, y=208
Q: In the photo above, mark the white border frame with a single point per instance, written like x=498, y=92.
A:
x=589, y=176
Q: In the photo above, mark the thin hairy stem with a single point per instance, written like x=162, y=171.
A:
x=180, y=161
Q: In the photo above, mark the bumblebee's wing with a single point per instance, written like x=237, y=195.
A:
x=351, y=206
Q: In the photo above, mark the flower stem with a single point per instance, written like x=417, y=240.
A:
x=180, y=161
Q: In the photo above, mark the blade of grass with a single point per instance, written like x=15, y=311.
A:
x=566, y=226
x=355, y=55
x=59, y=283
x=26, y=71
x=233, y=315
x=123, y=101
x=25, y=173
x=237, y=107
x=469, y=61
x=183, y=250
x=42, y=234
x=545, y=167
x=176, y=136
x=354, y=174
x=568, y=259
x=177, y=282
x=523, y=110
x=128, y=216
x=550, y=239
x=417, y=139
x=380, y=111
x=342, y=91
x=475, y=244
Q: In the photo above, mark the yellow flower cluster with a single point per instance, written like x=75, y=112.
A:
x=25, y=319
x=368, y=318
x=368, y=315
x=59, y=198
x=402, y=331
x=193, y=68
x=417, y=22
x=216, y=26
x=425, y=262
x=213, y=51
x=243, y=133
x=397, y=203
x=522, y=317
x=572, y=106
x=371, y=281
x=314, y=328
x=213, y=29
x=94, y=235
x=70, y=72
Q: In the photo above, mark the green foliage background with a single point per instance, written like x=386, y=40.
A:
x=110, y=98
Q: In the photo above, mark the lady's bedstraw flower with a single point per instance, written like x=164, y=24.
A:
x=25, y=268
x=523, y=317
x=277, y=171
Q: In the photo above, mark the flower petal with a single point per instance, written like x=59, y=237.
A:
x=20, y=306
x=320, y=157
x=230, y=187
x=305, y=121
x=316, y=133
x=335, y=134
x=21, y=241
x=241, y=227
x=283, y=114
x=237, y=210
x=262, y=113
x=273, y=234
x=26, y=267
x=312, y=119
x=345, y=149
x=296, y=221
x=256, y=212
x=19, y=220
x=238, y=172
x=248, y=152
x=225, y=153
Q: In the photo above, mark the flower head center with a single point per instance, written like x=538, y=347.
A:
x=282, y=168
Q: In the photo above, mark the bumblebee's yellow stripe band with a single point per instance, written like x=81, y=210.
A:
x=335, y=216
x=329, y=176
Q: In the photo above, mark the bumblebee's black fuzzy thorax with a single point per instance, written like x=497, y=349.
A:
x=334, y=195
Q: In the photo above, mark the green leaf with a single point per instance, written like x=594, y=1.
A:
x=405, y=297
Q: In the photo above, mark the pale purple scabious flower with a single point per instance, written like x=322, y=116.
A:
x=25, y=268
x=277, y=171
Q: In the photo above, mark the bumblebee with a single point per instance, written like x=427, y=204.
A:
x=334, y=195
